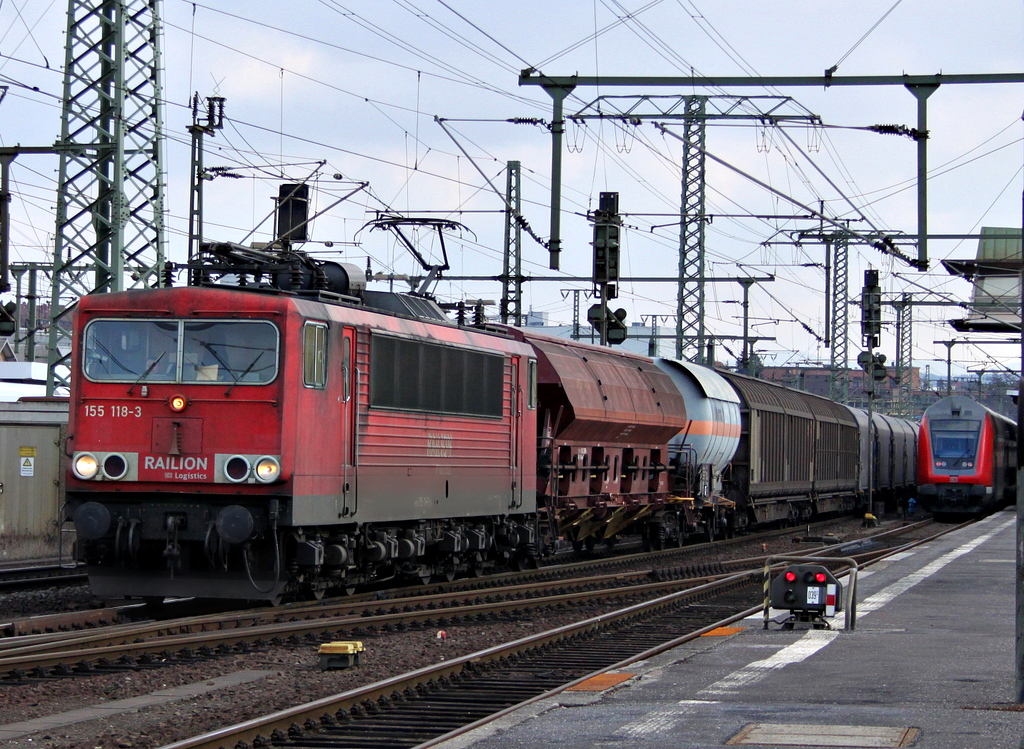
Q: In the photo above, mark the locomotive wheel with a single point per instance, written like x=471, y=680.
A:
x=590, y=542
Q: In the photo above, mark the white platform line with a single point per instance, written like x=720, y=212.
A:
x=659, y=722
x=816, y=639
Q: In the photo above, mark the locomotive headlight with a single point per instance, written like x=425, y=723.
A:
x=85, y=466
x=267, y=470
x=178, y=403
x=236, y=469
x=115, y=466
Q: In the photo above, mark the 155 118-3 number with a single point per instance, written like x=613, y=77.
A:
x=113, y=412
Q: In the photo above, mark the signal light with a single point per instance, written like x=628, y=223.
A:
x=810, y=590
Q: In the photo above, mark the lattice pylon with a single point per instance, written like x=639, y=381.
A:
x=904, y=355
x=110, y=199
x=512, y=259
x=839, y=351
x=690, y=299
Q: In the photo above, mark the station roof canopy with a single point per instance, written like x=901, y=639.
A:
x=996, y=302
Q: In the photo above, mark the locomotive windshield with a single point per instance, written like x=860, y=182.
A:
x=954, y=438
x=194, y=351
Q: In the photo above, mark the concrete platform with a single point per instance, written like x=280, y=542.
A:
x=930, y=664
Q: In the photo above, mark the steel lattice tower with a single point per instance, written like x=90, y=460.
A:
x=110, y=201
x=690, y=300
x=904, y=355
x=839, y=351
x=512, y=271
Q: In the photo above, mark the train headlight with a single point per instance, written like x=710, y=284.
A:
x=85, y=466
x=115, y=467
x=236, y=469
x=267, y=470
x=178, y=403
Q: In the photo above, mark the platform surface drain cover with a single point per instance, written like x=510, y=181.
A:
x=807, y=735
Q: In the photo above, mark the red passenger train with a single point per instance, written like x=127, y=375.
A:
x=967, y=460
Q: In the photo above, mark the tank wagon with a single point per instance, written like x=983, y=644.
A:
x=967, y=458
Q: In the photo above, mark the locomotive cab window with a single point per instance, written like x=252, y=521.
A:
x=208, y=351
x=314, y=355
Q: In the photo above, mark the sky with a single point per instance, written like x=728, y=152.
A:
x=342, y=92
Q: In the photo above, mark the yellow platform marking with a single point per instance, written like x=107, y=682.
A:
x=723, y=631
x=600, y=682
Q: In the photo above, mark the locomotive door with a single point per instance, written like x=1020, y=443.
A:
x=517, y=403
x=348, y=420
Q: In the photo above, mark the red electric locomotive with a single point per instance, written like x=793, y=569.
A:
x=967, y=458
x=235, y=444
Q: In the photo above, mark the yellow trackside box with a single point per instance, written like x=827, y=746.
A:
x=334, y=655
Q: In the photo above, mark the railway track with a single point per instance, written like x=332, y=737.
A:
x=433, y=704
x=41, y=576
x=104, y=644
x=572, y=564
x=143, y=645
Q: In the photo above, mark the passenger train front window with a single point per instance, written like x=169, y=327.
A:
x=209, y=351
x=954, y=438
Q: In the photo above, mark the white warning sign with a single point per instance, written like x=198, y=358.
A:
x=28, y=466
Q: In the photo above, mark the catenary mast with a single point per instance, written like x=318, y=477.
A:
x=110, y=194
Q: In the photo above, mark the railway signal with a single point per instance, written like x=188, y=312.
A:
x=809, y=591
x=615, y=322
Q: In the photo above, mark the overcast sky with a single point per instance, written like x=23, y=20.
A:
x=358, y=85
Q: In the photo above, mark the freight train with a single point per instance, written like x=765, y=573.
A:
x=274, y=429
x=968, y=458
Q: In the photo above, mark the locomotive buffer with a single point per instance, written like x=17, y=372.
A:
x=810, y=592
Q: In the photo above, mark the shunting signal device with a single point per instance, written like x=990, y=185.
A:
x=810, y=592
